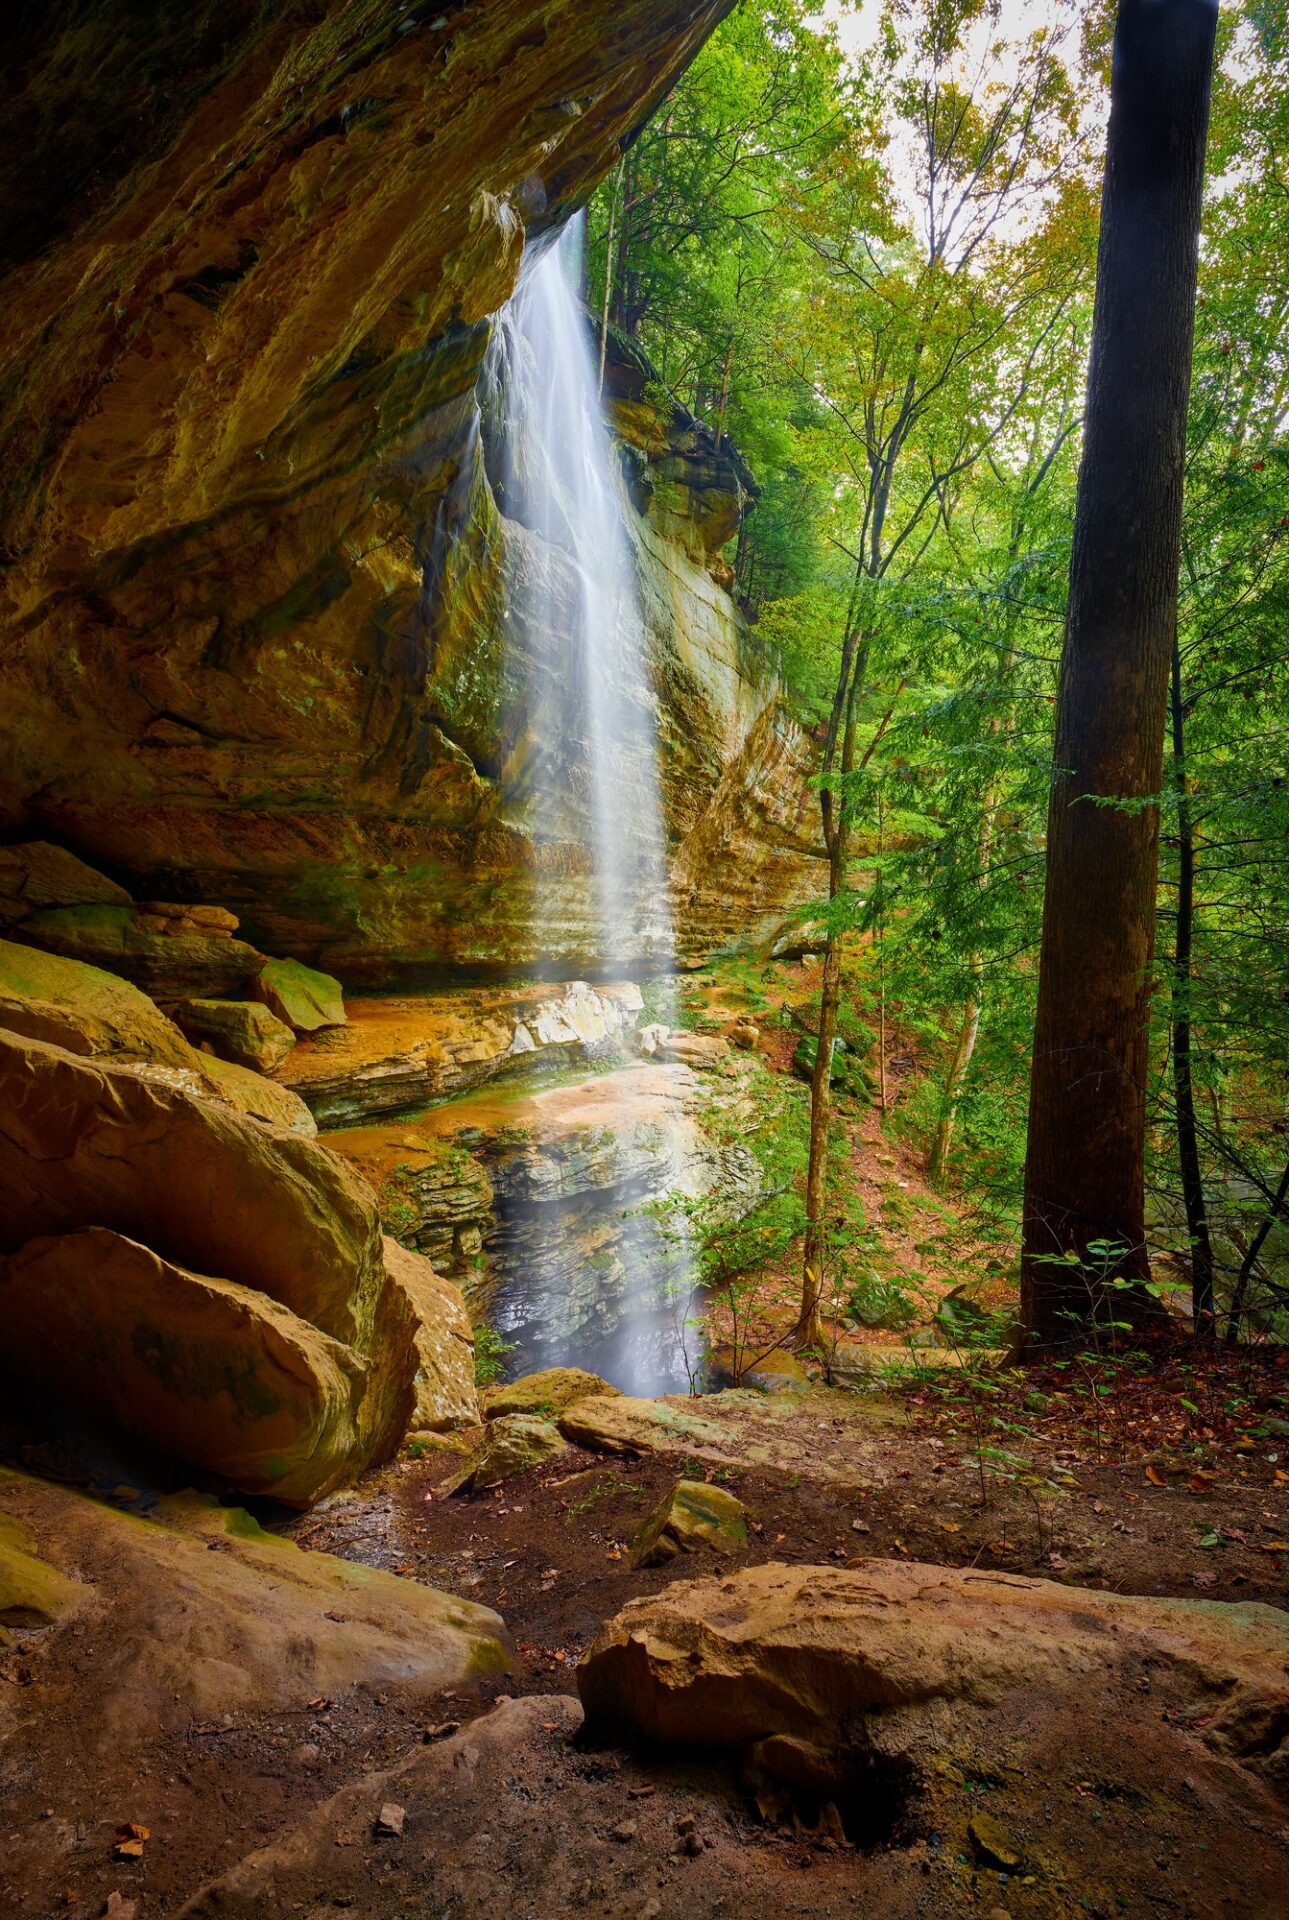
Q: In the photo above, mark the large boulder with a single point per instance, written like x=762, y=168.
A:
x=87, y=1144
x=244, y=1031
x=819, y=1675
x=548, y=1393
x=446, y=1394
x=260, y=1098
x=169, y=959
x=214, y=1373
x=299, y=996
x=257, y=1626
x=34, y=875
x=621, y=1423
x=86, y=1010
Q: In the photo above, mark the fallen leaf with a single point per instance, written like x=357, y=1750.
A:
x=128, y=1849
x=390, y=1819
x=441, y=1731
x=950, y=1526
x=1155, y=1477
x=1274, y=1546
x=1199, y=1483
x=116, y=1906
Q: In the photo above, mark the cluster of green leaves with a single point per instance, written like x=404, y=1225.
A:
x=876, y=274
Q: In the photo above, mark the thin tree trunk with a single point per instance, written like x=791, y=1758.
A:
x=1251, y=1252
x=1183, y=1080
x=725, y=392
x=608, y=269
x=1084, y=1170
x=837, y=836
x=968, y=1032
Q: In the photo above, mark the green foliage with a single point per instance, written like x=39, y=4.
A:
x=491, y=1353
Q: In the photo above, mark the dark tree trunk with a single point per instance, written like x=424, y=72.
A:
x=1084, y=1177
x=1183, y=1076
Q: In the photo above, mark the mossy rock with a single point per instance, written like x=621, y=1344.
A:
x=302, y=997
x=247, y=1032
x=32, y=1593
x=548, y=1392
x=806, y=1052
x=513, y=1444
x=692, y=1516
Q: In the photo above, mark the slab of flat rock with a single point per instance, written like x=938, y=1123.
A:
x=691, y=1516
x=400, y=1053
x=244, y=1031
x=260, y=1098
x=211, y=1373
x=815, y=1672
x=300, y=997
x=86, y=1009
x=548, y=1393
x=200, y=1613
x=34, y=875
x=620, y=1423
x=511, y=1445
x=169, y=965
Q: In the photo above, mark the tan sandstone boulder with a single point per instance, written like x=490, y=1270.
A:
x=620, y=1423
x=301, y=997
x=214, y=1373
x=87, y=1144
x=548, y=1393
x=506, y=1447
x=691, y=1516
x=87, y=1011
x=446, y=1394
x=185, y=1635
x=816, y=1673
x=243, y=1031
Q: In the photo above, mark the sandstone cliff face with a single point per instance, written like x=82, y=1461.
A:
x=255, y=579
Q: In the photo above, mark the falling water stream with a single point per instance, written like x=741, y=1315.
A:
x=577, y=591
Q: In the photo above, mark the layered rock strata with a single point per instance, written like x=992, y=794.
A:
x=260, y=644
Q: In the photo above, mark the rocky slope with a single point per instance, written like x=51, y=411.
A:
x=255, y=589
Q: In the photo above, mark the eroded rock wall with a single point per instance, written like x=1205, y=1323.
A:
x=256, y=646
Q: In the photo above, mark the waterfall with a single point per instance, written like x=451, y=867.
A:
x=590, y=789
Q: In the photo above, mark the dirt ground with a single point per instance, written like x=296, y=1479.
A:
x=855, y=1476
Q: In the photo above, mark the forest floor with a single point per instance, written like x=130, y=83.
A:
x=1162, y=1474
x=828, y=1477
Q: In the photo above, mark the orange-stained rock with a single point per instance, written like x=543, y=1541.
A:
x=87, y=1144
x=207, y=1371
